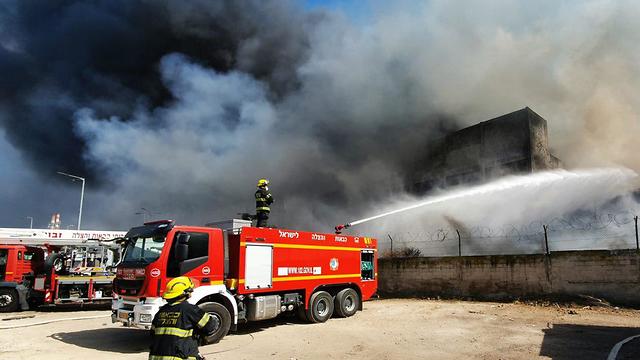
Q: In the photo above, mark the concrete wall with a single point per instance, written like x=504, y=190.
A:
x=612, y=275
x=512, y=143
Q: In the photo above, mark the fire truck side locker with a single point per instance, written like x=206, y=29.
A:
x=258, y=266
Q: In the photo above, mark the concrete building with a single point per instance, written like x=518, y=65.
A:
x=509, y=144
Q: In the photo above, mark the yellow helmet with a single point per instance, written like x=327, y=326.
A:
x=263, y=182
x=177, y=287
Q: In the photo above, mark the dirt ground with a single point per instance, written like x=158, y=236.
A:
x=386, y=329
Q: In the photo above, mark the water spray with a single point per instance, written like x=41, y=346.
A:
x=547, y=178
x=341, y=227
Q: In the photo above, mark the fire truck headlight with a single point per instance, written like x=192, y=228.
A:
x=145, y=318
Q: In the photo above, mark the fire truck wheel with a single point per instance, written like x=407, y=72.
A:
x=321, y=307
x=8, y=300
x=222, y=319
x=55, y=261
x=346, y=303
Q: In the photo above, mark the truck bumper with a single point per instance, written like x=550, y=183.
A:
x=135, y=313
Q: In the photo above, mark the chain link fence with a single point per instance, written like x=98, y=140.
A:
x=581, y=231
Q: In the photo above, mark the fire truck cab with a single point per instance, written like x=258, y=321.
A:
x=18, y=266
x=244, y=273
x=50, y=267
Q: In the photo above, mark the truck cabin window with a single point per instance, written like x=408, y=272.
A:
x=144, y=249
x=198, y=255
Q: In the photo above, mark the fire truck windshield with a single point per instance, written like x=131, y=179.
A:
x=144, y=249
x=144, y=243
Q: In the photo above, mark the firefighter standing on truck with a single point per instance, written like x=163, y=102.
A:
x=175, y=326
x=263, y=200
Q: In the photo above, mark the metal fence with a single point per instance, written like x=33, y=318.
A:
x=584, y=231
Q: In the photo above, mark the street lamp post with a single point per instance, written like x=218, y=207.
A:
x=30, y=222
x=81, y=194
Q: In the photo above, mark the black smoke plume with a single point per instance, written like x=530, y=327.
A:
x=59, y=56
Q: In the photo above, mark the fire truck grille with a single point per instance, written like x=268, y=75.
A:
x=127, y=287
x=128, y=307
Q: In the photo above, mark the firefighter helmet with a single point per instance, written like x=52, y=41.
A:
x=263, y=182
x=177, y=287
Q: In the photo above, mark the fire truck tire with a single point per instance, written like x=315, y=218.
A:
x=320, y=307
x=346, y=303
x=55, y=261
x=8, y=300
x=222, y=317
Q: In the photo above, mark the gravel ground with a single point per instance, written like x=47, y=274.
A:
x=386, y=329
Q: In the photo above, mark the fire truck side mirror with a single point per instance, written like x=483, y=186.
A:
x=182, y=246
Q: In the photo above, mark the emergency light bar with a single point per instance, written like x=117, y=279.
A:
x=159, y=222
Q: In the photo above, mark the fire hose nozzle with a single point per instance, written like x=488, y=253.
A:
x=341, y=227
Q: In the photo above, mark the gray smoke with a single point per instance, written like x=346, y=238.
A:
x=583, y=209
x=179, y=107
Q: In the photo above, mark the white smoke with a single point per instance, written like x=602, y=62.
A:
x=584, y=209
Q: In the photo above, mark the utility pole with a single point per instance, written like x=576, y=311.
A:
x=637, y=239
x=30, y=222
x=74, y=177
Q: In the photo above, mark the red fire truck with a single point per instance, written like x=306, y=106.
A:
x=244, y=273
x=44, y=266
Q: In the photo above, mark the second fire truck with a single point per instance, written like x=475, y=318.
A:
x=244, y=273
x=52, y=266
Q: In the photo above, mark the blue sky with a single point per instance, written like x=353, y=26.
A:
x=358, y=10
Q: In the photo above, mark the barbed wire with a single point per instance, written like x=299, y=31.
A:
x=592, y=221
x=583, y=230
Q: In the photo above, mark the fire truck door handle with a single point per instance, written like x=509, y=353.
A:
x=205, y=280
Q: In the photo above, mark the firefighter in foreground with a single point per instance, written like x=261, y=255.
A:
x=177, y=324
x=263, y=200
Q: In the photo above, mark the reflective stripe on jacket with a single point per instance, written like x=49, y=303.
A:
x=263, y=200
x=173, y=331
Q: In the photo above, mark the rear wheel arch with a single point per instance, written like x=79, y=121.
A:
x=219, y=294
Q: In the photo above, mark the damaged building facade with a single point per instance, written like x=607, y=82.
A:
x=513, y=143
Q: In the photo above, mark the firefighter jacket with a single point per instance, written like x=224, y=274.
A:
x=263, y=200
x=173, y=331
